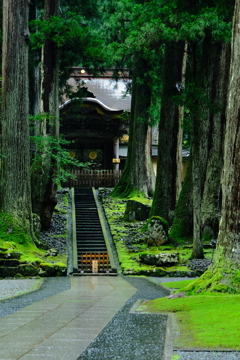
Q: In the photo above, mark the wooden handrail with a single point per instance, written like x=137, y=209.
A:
x=94, y=178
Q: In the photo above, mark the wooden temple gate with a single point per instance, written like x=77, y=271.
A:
x=94, y=178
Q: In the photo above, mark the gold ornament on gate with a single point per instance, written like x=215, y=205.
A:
x=72, y=153
x=92, y=155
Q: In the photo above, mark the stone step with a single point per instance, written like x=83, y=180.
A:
x=9, y=262
x=10, y=255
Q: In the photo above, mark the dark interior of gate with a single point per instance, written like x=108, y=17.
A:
x=95, y=130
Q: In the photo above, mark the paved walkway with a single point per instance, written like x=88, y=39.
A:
x=61, y=327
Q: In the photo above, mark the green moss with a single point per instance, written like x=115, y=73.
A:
x=12, y=231
x=215, y=280
x=142, y=200
x=200, y=320
x=129, y=261
x=163, y=221
x=31, y=257
x=177, y=284
x=59, y=210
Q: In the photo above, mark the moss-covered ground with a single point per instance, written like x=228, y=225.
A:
x=19, y=255
x=209, y=321
x=130, y=241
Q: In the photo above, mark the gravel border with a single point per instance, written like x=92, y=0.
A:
x=51, y=286
x=16, y=287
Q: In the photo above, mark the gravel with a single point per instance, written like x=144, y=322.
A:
x=54, y=237
x=14, y=287
x=50, y=287
x=200, y=265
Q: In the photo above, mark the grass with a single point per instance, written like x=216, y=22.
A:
x=177, y=284
x=204, y=321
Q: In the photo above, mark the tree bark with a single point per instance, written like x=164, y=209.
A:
x=34, y=72
x=138, y=175
x=208, y=127
x=180, y=131
x=210, y=207
x=228, y=251
x=34, y=81
x=15, y=189
x=43, y=184
x=182, y=226
x=164, y=199
x=223, y=275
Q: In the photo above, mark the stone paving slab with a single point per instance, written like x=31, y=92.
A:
x=63, y=326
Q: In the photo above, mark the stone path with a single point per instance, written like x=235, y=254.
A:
x=131, y=335
x=63, y=326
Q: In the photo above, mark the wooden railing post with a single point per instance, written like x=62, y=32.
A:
x=94, y=178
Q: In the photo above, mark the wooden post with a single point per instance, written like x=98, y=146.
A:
x=116, y=152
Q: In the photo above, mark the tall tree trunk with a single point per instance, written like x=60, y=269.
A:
x=124, y=187
x=223, y=275
x=138, y=175
x=206, y=148
x=182, y=226
x=34, y=59
x=43, y=184
x=210, y=207
x=180, y=131
x=15, y=189
x=227, y=256
x=34, y=80
x=165, y=192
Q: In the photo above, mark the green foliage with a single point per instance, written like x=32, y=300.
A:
x=74, y=36
x=54, y=150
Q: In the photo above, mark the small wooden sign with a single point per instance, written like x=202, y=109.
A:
x=95, y=266
x=124, y=138
x=116, y=161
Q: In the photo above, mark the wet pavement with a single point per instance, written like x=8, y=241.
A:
x=74, y=323
x=129, y=335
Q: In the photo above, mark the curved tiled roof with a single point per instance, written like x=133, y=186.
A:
x=91, y=100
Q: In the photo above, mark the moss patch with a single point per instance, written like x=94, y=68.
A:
x=131, y=239
x=17, y=244
x=177, y=284
x=208, y=322
x=142, y=200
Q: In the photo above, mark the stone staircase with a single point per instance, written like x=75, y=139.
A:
x=92, y=252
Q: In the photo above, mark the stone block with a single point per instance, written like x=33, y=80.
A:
x=27, y=270
x=8, y=271
x=157, y=232
x=141, y=211
x=161, y=259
